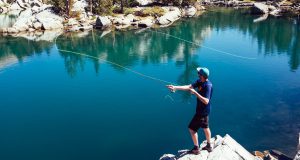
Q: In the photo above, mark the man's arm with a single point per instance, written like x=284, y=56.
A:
x=201, y=98
x=183, y=88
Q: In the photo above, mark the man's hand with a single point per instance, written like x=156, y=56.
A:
x=193, y=91
x=171, y=88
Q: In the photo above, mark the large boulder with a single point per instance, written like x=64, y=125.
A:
x=37, y=25
x=49, y=20
x=79, y=6
x=102, y=22
x=24, y=20
x=145, y=2
x=122, y=21
x=189, y=11
x=12, y=30
x=172, y=15
x=25, y=4
x=15, y=6
x=2, y=3
x=145, y=23
x=130, y=17
x=259, y=8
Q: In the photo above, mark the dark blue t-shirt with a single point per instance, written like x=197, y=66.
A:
x=205, y=89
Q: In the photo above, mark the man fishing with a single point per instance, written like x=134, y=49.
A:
x=200, y=120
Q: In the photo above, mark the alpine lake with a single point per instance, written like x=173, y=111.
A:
x=110, y=101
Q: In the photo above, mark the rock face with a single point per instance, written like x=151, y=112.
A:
x=224, y=149
x=171, y=16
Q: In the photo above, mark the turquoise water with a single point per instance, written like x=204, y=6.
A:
x=59, y=105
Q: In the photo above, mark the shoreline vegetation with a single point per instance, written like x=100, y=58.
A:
x=37, y=16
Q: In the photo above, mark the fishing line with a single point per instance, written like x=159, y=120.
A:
x=169, y=97
x=210, y=48
x=116, y=64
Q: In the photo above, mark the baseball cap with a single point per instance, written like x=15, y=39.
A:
x=203, y=71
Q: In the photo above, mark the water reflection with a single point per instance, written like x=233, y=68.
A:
x=20, y=48
x=126, y=48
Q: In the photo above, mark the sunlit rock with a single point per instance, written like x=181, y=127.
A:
x=172, y=15
x=145, y=2
x=49, y=20
x=225, y=148
x=12, y=30
x=72, y=22
x=23, y=21
x=189, y=11
x=37, y=25
x=79, y=5
x=102, y=22
x=259, y=8
x=145, y=23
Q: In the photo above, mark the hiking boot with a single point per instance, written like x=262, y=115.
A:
x=195, y=150
x=207, y=147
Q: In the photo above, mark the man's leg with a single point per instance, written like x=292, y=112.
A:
x=194, y=136
x=208, y=146
x=207, y=134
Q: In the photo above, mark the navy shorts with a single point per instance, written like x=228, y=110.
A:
x=198, y=122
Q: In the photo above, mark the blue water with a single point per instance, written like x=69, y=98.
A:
x=59, y=105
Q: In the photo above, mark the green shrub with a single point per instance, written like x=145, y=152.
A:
x=103, y=7
x=132, y=3
x=188, y=2
x=128, y=11
x=75, y=14
x=153, y=11
x=295, y=1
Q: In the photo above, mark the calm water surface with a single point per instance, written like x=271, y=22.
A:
x=58, y=105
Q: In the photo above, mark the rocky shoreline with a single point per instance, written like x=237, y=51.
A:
x=226, y=148
x=34, y=16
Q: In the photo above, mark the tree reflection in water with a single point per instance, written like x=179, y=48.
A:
x=274, y=35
